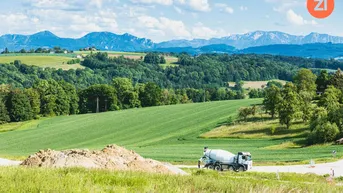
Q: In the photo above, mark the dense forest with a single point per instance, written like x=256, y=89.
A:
x=204, y=71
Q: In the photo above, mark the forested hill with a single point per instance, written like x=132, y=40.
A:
x=209, y=70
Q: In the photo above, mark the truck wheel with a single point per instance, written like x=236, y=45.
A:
x=241, y=169
x=218, y=168
x=231, y=169
x=211, y=167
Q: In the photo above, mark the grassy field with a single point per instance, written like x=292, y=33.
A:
x=167, y=133
x=171, y=61
x=82, y=180
x=259, y=128
x=44, y=61
x=255, y=84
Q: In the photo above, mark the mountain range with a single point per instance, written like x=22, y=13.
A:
x=101, y=40
x=271, y=42
x=257, y=38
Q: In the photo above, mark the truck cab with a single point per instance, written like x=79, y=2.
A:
x=244, y=158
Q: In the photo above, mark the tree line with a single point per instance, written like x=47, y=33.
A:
x=316, y=100
x=53, y=98
x=57, y=50
x=208, y=70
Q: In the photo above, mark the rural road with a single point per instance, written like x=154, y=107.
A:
x=5, y=162
x=319, y=169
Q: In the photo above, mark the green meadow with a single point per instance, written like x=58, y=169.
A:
x=42, y=60
x=167, y=133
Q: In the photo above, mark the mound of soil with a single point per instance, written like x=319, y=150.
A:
x=112, y=157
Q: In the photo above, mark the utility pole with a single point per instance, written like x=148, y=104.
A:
x=97, y=104
x=204, y=95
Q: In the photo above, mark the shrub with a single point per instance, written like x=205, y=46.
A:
x=324, y=132
x=244, y=113
x=74, y=61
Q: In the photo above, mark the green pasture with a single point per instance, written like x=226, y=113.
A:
x=171, y=61
x=44, y=61
x=166, y=133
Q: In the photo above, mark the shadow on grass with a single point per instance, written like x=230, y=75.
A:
x=298, y=133
x=232, y=121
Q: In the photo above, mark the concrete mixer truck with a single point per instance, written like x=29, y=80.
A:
x=223, y=160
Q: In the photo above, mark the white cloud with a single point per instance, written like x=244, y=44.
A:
x=200, y=5
x=284, y=5
x=297, y=19
x=164, y=26
x=162, y=2
x=229, y=10
x=201, y=31
x=71, y=18
x=243, y=8
x=294, y=18
x=177, y=9
x=97, y=3
x=197, y=5
x=224, y=7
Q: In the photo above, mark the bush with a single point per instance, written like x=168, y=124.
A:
x=324, y=132
x=244, y=113
x=256, y=93
x=74, y=61
x=17, y=62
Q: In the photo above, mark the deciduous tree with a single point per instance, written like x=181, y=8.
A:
x=289, y=105
x=272, y=99
x=19, y=106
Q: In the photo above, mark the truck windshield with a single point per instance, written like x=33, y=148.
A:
x=248, y=158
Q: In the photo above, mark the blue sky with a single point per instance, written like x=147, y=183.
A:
x=162, y=20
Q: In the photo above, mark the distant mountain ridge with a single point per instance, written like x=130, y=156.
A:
x=257, y=38
x=268, y=42
x=101, y=40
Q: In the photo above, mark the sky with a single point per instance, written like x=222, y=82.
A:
x=162, y=20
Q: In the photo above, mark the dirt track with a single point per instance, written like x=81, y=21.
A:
x=319, y=169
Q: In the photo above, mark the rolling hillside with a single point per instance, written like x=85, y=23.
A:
x=41, y=60
x=137, y=128
x=167, y=133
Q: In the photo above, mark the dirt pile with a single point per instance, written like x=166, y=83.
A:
x=112, y=157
